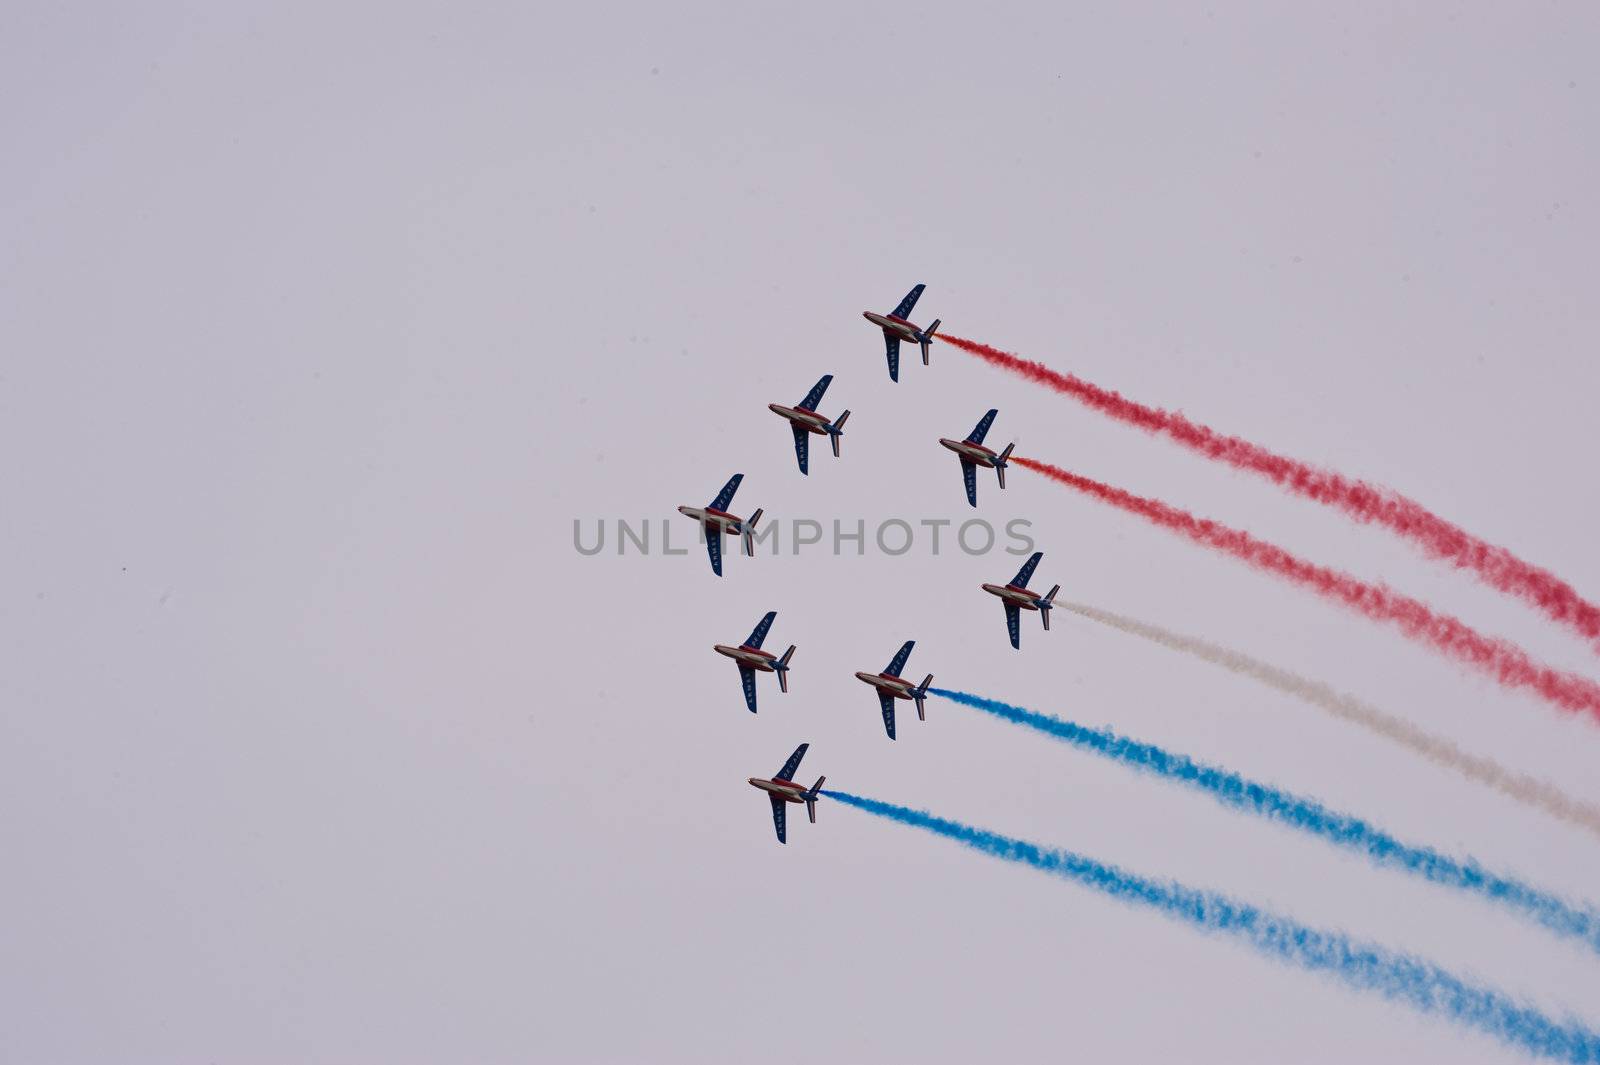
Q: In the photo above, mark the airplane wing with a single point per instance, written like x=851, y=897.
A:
x=899, y=661
x=778, y=818
x=891, y=346
x=714, y=549
x=1025, y=574
x=1014, y=623
x=977, y=435
x=787, y=772
x=887, y=702
x=747, y=678
x=725, y=496
x=802, y=446
x=814, y=396
x=909, y=302
x=759, y=633
x=969, y=473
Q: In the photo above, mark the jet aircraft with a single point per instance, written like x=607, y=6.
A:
x=896, y=328
x=782, y=790
x=715, y=520
x=751, y=658
x=973, y=454
x=1017, y=598
x=891, y=686
x=805, y=420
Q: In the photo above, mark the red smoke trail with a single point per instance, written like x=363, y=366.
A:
x=1364, y=502
x=1510, y=664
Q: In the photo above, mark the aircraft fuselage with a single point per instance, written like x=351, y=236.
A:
x=899, y=687
x=787, y=790
x=809, y=420
x=1020, y=597
x=753, y=657
x=714, y=519
x=890, y=324
x=976, y=454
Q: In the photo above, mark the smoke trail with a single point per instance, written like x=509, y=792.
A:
x=1509, y=664
x=1440, y=751
x=1306, y=815
x=1365, y=502
x=1396, y=976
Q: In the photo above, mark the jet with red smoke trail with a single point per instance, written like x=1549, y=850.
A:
x=1017, y=598
x=751, y=659
x=1365, y=502
x=782, y=790
x=896, y=328
x=715, y=520
x=805, y=421
x=891, y=686
x=1505, y=661
x=973, y=454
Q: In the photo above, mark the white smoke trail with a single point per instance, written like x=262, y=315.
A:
x=1441, y=752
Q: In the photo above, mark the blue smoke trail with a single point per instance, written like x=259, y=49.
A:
x=1308, y=816
x=1395, y=976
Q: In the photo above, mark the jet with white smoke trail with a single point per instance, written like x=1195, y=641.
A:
x=1531, y=791
x=1017, y=598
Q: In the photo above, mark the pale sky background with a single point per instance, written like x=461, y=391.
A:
x=320, y=325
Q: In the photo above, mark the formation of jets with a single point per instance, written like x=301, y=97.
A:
x=805, y=421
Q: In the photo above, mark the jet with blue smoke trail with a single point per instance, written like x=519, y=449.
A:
x=782, y=790
x=1396, y=976
x=1309, y=816
x=891, y=686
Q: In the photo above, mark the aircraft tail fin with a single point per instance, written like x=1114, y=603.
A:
x=1000, y=462
x=1046, y=604
x=783, y=669
x=927, y=338
x=747, y=532
x=811, y=799
x=920, y=695
x=835, y=430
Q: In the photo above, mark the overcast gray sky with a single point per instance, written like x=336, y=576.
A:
x=321, y=324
